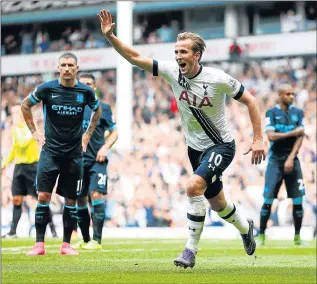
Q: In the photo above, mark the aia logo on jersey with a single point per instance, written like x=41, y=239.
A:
x=204, y=102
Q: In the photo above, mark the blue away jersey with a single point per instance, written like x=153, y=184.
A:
x=282, y=121
x=63, y=115
x=97, y=140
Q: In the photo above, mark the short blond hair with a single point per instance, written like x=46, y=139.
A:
x=199, y=44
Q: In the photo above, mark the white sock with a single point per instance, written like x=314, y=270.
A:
x=196, y=213
x=231, y=215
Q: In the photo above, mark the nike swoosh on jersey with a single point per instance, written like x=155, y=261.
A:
x=54, y=96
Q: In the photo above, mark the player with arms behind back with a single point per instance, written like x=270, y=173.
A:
x=200, y=93
x=95, y=174
x=284, y=127
x=63, y=142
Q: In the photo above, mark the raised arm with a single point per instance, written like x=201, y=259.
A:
x=257, y=146
x=129, y=53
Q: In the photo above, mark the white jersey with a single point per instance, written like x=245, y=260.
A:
x=201, y=102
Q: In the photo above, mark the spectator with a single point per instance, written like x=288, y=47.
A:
x=290, y=22
x=11, y=45
x=91, y=42
x=165, y=33
x=44, y=44
x=27, y=43
x=235, y=51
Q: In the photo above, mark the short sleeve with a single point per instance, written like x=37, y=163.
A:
x=39, y=93
x=230, y=86
x=92, y=100
x=165, y=69
x=107, y=117
x=301, y=118
x=269, y=122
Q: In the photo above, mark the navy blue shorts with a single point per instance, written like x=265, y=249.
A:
x=210, y=165
x=69, y=169
x=275, y=175
x=95, y=177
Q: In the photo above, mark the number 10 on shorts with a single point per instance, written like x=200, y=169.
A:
x=216, y=159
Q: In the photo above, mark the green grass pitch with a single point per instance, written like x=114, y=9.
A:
x=151, y=261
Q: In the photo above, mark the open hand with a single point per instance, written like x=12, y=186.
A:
x=257, y=148
x=106, y=23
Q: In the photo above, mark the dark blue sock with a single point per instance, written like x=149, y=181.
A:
x=70, y=221
x=98, y=219
x=41, y=220
x=265, y=215
x=84, y=222
x=298, y=213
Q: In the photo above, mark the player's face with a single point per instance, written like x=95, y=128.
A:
x=287, y=96
x=187, y=59
x=88, y=81
x=67, y=68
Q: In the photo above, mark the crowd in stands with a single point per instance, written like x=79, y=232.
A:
x=74, y=38
x=147, y=186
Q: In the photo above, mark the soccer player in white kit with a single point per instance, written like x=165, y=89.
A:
x=200, y=93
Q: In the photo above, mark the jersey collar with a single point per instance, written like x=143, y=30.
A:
x=201, y=69
x=76, y=82
x=279, y=107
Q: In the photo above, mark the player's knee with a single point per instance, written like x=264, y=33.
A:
x=44, y=197
x=95, y=195
x=17, y=200
x=70, y=202
x=194, y=187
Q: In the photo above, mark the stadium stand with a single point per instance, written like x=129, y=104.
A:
x=152, y=193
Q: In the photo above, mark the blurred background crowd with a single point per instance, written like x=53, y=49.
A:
x=147, y=186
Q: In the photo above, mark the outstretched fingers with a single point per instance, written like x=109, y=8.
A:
x=102, y=16
x=258, y=157
x=109, y=16
x=105, y=15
